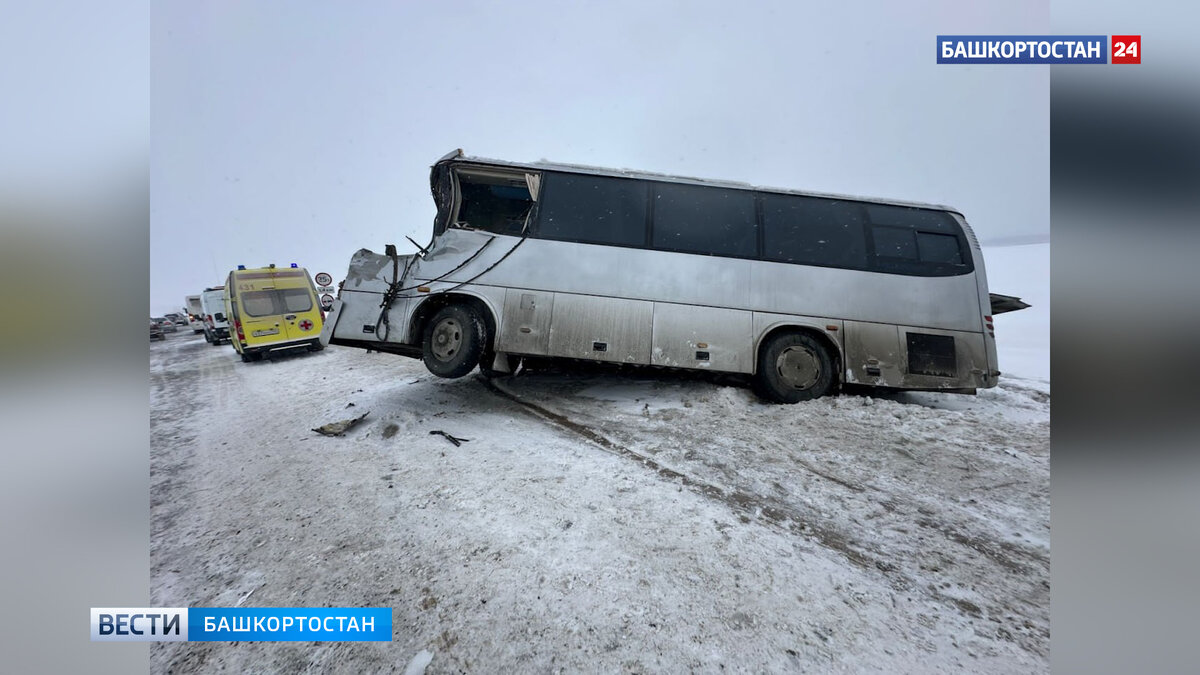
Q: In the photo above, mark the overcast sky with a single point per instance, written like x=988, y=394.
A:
x=302, y=131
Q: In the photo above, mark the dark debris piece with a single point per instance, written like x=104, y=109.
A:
x=453, y=439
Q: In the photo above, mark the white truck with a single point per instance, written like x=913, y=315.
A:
x=216, y=324
x=195, y=313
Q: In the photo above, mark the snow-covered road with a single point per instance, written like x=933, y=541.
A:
x=597, y=521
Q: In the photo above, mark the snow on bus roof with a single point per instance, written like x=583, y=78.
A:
x=547, y=165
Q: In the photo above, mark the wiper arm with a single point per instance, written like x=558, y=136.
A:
x=420, y=248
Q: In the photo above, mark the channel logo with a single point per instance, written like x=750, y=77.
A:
x=243, y=624
x=139, y=624
x=1050, y=49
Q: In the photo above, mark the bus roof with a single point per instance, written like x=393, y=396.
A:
x=457, y=157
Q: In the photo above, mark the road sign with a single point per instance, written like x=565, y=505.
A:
x=327, y=301
x=325, y=289
x=323, y=279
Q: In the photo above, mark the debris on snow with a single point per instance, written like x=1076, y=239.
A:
x=419, y=663
x=340, y=428
x=453, y=439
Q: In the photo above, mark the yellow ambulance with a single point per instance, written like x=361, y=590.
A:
x=272, y=310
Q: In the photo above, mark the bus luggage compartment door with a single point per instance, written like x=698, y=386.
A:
x=525, y=326
x=873, y=354
x=601, y=329
x=687, y=336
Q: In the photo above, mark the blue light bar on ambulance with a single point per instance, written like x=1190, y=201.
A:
x=241, y=267
x=294, y=265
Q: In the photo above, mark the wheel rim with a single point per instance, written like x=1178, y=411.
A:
x=798, y=367
x=446, y=340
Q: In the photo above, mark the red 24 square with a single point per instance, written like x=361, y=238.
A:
x=1127, y=49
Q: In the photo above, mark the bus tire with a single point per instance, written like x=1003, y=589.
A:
x=793, y=367
x=453, y=341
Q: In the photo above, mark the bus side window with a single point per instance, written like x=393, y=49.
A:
x=813, y=231
x=593, y=210
x=917, y=242
x=704, y=219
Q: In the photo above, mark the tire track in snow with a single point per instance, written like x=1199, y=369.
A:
x=1013, y=559
x=749, y=505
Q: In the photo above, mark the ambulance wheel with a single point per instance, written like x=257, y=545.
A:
x=247, y=357
x=793, y=367
x=453, y=341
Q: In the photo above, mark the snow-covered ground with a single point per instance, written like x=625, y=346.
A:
x=597, y=521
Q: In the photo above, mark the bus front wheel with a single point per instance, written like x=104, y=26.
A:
x=793, y=367
x=453, y=341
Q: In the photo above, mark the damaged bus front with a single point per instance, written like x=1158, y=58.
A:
x=387, y=300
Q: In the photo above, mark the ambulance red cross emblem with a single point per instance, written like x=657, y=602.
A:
x=305, y=325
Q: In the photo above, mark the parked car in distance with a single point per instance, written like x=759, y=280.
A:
x=165, y=324
x=156, y=331
x=177, y=318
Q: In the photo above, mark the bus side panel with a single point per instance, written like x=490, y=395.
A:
x=566, y=267
x=873, y=354
x=601, y=329
x=960, y=364
x=950, y=303
x=686, y=336
x=525, y=324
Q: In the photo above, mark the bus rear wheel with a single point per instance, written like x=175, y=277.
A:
x=793, y=367
x=453, y=341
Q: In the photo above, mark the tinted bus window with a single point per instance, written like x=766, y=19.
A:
x=698, y=219
x=593, y=210
x=938, y=248
x=895, y=242
x=919, y=242
x=910, y=218
x=813, y=231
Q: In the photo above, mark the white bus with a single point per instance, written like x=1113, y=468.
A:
x=801, y=291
